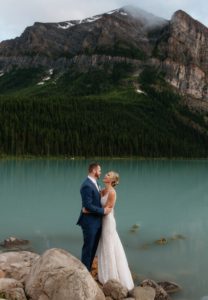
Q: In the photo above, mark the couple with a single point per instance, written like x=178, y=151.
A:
x=99, y=228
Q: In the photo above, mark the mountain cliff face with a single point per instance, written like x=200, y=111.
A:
x=185, y=55
x=179, y=47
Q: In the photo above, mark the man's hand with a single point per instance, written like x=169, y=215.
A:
x=85, y=211
x=107, y=210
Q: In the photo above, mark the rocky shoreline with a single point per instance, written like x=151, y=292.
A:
x=58, y=275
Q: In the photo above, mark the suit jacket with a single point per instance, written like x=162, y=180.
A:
x=91, y=201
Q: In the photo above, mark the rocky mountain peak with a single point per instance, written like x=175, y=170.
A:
x=185, y=21
x=178, y=46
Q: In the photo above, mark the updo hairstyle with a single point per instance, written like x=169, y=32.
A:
x=115, y=178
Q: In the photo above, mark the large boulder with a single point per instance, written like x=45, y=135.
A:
x=17, y=265
x=11, y=289
x=59, y=275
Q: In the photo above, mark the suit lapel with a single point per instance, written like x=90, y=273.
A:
x=93, y=185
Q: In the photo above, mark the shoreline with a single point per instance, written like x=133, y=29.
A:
x=26, y=271
x=92, y=158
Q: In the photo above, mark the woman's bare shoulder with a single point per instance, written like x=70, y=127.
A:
x=112, y=191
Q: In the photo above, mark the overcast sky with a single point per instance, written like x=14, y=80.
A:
x=15, y=15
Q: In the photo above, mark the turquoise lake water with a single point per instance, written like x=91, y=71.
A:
x=168, y=199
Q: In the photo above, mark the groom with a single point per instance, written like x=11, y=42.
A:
x=91, y=214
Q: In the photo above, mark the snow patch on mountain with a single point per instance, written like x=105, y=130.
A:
x=68, y=25
x=111, y=12
x=92, y=19
x=140, y=91
x=50, y=72
x=123, y=13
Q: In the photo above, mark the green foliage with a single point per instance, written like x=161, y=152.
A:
x=19, y=78
x=98, y=114
x=151, y=75
x=95, y=126
x=153, y=83
x=95, y=81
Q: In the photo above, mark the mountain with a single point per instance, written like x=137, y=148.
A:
x=144, y=75
x=178, y=47
x=121, y=30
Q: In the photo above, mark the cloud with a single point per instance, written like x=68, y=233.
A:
x=15, y=15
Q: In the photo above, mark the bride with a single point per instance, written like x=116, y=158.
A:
x=112, y=262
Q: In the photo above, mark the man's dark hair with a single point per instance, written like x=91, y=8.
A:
x=92, y=166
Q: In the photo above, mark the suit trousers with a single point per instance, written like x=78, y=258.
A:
x=91, y=237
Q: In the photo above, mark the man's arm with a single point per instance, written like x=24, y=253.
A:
x=86, y=194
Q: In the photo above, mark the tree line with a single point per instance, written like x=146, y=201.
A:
x=95, y=126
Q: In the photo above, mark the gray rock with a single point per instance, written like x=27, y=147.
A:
x=13, y=241
x=17, y=265
x=11, y=289
x=115, y=290
x=57, y=275
x=160, y=292
x=143, y=293
x=170, y=287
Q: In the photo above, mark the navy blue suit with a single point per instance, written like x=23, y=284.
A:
x=91, y=223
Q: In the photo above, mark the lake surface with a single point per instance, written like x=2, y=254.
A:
x=168, y=199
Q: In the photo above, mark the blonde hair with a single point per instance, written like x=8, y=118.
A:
x=115, y=177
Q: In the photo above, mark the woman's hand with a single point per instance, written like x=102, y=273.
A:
x=85, y=211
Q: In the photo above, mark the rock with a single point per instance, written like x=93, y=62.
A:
x=161, y=241
x=143, y=293
x=170, y=287
x=134, y=228
x=13, y=242
x=17, y=264
x=2, y=274
x=114, y=289
x=11, y=289
x=161, y=294
x=57, y=275
x=186, y=58
x=178, y=237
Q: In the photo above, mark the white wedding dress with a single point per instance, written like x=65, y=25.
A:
x=112, y=262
